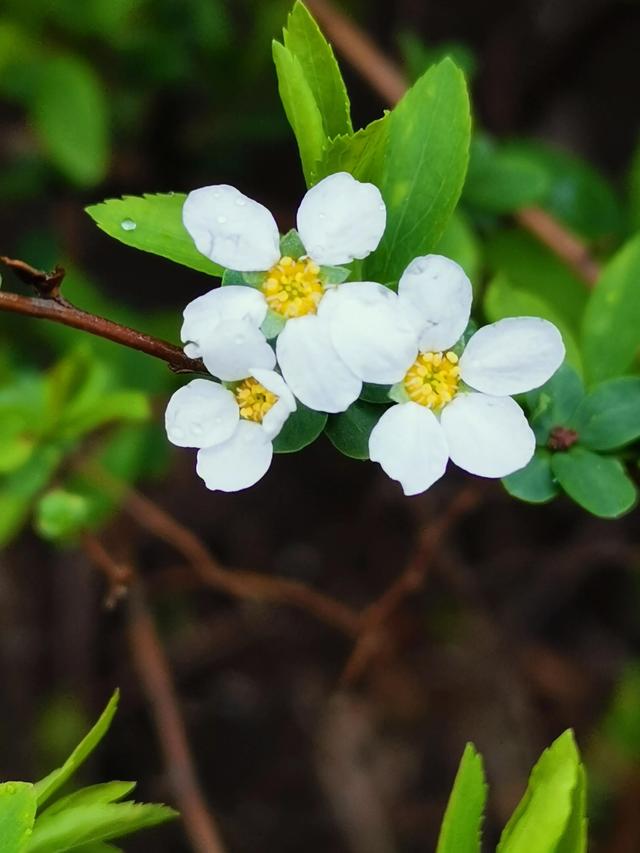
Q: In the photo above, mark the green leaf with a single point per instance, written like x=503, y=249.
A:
x=46, y=787
x=597, y=483
x=533, y=268
x=611, y=327
x=70, y=115
x=634, y=190
x=361, y=153
x=19, y=489
x=17, y=814
x=372, y=393
x=88, y=824
x=349, y=431
x=503, y=299
x=301, y=429
x=461, y=827
x=501, y=179
x=291, y=245
x=542, y=816
x=424, y=170
x=106, y=792
x=152, y=223
x=306, y=43
x=60, y=515
x=609, y=416
x=535, y=483
x=460, y=243
x=576, y=193
x=300, y=107
x=574, y=839
x=555, y=402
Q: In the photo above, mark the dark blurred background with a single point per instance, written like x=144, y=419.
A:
x=530, y=618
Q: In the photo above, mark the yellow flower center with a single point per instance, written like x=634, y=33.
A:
x=293, y=288
x=254, y=400
x=433, y=379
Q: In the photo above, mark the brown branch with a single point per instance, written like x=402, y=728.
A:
x=118, y=575
x=377, y=614
x=387, y=80
x=238, y=583
x=50, y=305
x=155, y=678
x=154, y=672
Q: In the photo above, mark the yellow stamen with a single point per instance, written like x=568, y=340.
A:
x=433, y=379
x=293, y=288
x=254, y=400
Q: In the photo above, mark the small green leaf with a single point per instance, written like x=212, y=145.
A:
x=300, y=107
x=361, y=153
x=335, y=275
x=611, y=327
x=555, y=403
x=574, y=839
x=272, y=324
x=462, y=824
x=17, y=814
x=19, y=489
x=70, y=115
x=87, y=824
x=46, y=787
x=375, y=393
x=105, y=792
x=301, y=429
x=152, y=223
x=609, y=416
x=542, y=816
x=503, y=299
x=303, y=38
x=291, y=245
x=61, y=515
x=535, y=483
x=500, y=179
x=598, y=483
x=424, y=168
x=349, y=431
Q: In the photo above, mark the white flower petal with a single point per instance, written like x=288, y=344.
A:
x=512, y=356
x=234, y=347
x=341, y=219
x=201, y=414
x=370, y=330
x=410, y=445
x=231, y=229
x=441, y=295
x=487, y=436
x=312, y=368
x=277, y=415
x=239, y=462
x=202, y=315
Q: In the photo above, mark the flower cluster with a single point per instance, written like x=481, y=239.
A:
x=289, y=327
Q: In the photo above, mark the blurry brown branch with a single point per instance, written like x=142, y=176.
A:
x=154, y=673
x=118, y=575
x=50, y=305
x=388, y=81
x=377, y=614
x=241, y=584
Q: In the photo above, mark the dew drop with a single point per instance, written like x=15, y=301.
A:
x=197, y=429
x=322, y=216
x=381, y=207
x=241, y=202
x=239, y=339
x=128, y=225
x=222, y=219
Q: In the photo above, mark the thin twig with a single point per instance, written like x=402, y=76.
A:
x=154, y=672
x=51, y=305
x=155, y=678
x=235, y=582
x=118, y=575
x=387, y=80
x=410, y=581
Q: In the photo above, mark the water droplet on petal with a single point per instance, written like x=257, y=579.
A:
x=128, y=225
x=197, y=429
x=381, y=207
x=239, y=339
x=218, y=420
x=322, y=216
x=222, y=219
x=178, y=433
x=241, y=202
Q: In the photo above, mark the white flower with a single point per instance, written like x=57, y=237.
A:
x=233, y=429
x=461, y=408
x=334, y=337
